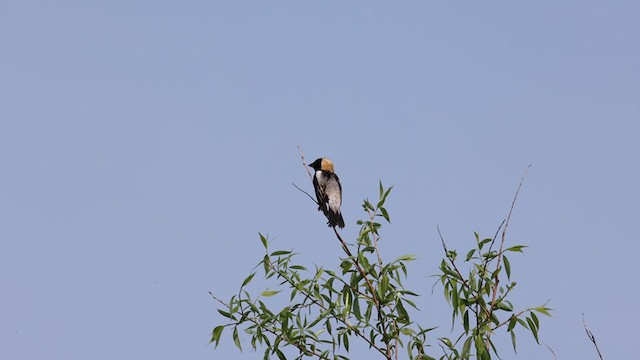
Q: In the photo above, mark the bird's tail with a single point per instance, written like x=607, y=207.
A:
x=335, y=219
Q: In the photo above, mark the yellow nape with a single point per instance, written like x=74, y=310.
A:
x=326, y=165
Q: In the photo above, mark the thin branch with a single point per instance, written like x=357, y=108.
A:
x=304, y=163
x=375, y=236
x=504, y=235
x=455, y=267
x=360, y=270
x=495, y=236
x=324, y=308
x=552, y=352
x=591, y=337
x=464, y=282
x=371, y=288
x=310, y=197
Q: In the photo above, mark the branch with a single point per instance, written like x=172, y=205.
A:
x=464, y=282
x=504, y=235
x=374, y=295
x=324, y=308
x=375, y=236
x=304, y=163
x=310, y=197
x=591, y=337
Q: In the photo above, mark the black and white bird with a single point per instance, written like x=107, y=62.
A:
x=328, y=191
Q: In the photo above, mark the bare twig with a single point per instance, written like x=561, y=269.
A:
x=591, y=337
x=310, y=197
x=552, y=352
x=504, y=235
x=495, y=236
x=304, y=163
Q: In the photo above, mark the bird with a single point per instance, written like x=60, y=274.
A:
x=328, y=191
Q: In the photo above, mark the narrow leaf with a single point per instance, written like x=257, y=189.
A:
x=248, y=279
x=236, y=339
x=280, y=252
x=466, y=347
x=215, y=334
x=507, y=266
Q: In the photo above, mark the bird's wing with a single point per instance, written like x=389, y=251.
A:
x=333, y=189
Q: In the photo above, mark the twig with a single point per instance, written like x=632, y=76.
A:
x=461, y=278
x=310, y=197
x=495, y=236
x=371, y=288
x=591, y=337
x=504, y=235
x=455, y=267
x=304, y=163
x=375, y=236
x=360, y=270
x=321, y=306
x=552, y=352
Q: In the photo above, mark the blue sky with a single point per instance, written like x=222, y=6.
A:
x=143, y=145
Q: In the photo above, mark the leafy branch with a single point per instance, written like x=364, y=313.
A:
x=364, y=299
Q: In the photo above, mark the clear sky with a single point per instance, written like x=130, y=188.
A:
x=144, y=144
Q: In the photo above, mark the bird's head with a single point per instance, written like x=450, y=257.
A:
x=322, y=164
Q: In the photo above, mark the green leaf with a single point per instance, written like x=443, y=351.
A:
x=264, y=240
x=407, y=331
x=280, y=252
x=408, y=257
x=215, y=335
x=513, y=341
x=248, y=279
x=355, y=308
x=534, y=329
x=447, y=342
x=280, y=355
x=465, y=322
x=345, y=341
x=367, y=205
x=503, y=306
x=483, y=242
x=543, y=310
x=470, y=254
x=466, y=347
x=535, y=319
x=512, y=323
x=507, y=266
x=517, y=248
x=385, y=214
x=403, y=316
x=479, y=345
x=268, y=293
x=226, y=314
x=236, y=339
x=386, y=193
x=267, y=264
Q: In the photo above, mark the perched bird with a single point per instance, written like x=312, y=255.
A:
x=328, y=191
